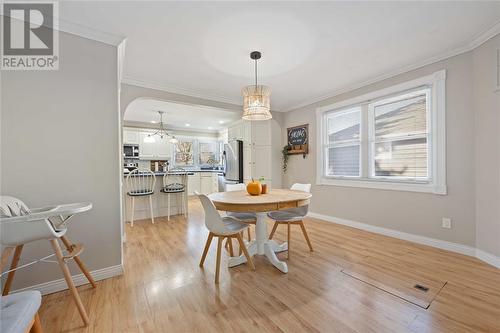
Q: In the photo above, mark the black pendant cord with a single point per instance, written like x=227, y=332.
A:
x=255, y=73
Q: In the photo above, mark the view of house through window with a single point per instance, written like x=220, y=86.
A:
x=392, y=144
x=399, y=145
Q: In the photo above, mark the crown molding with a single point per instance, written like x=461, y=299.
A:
x=90, y=33
x=477, y=41
x=179, y=90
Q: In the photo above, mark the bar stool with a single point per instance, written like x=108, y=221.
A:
x=175, y=182
x=141, y=183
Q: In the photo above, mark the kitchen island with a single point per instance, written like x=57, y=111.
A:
x=203, y=181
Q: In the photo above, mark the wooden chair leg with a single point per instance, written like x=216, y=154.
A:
x=133, y=212
x=207, y=246
x=69, y=281
x=288, y=239
x=79, y=262
x=151, y=209
x=37, y=325
x=302, y=226
x=249, y=235
x=244, y=249
x=240, y=250
x=13, y=265
x=275, y=226
x=231, y=250
x=219, y=252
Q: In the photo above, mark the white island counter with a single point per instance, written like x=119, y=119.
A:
x=203, y=181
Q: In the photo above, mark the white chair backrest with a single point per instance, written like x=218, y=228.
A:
x=301, y=187
x=141, y=181
x=23, y=231
x=213, y=220
x=180, y=177
x=302, y=211
x=235, y=187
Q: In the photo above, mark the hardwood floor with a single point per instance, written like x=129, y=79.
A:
x=164, y=290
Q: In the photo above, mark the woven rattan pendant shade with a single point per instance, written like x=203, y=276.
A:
x=256, y=98
x=256, y=103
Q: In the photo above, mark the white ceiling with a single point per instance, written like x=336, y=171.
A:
x=180, y=116
x=310, y=49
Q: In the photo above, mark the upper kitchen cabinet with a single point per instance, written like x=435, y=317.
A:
x=146, y=149
x=261, y=133
x=158, y=150
x=253, y=133
x=235, y=132
x=163, y=148
x=130, y=137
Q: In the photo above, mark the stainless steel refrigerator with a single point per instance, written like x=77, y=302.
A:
x=233, y=161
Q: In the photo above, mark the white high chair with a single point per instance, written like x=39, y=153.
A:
x=20, y=225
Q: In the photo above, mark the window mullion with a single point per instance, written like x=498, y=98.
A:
x=365, y=142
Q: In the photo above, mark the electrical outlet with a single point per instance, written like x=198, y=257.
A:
x=446, y=223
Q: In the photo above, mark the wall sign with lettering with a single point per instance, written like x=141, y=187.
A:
x=298, y=139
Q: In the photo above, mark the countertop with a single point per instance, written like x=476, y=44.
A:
x=189, y=172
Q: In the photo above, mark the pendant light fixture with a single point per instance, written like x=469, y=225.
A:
x=161, y=132
x=256, y=98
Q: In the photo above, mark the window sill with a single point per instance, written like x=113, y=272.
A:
x=384, y=185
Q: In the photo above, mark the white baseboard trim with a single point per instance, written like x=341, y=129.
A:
x=79, y=279
x=438, y=243
x=488, y=258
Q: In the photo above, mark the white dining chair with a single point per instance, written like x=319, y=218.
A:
x=249, y=218
x=175, y=182
x=20, y=225
x=292, y=216
x=141, y=183
x=221, y=227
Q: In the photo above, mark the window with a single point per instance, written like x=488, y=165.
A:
x=389, y=139
x=208, y=153
x=343, y=143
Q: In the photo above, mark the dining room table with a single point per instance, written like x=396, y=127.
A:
x=273, y=200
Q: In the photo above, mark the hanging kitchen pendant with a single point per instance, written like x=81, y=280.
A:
x=256, y=98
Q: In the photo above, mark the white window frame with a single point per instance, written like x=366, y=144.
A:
x=436, y=182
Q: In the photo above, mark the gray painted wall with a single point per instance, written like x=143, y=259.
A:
x=487, y=111
x=416, y=213
x=59, y=144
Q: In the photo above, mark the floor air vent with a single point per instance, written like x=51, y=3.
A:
x=420, y=287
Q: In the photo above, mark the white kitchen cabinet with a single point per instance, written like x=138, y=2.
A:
x=160, y=149
x=146, y=149
x=194, y=183
x=203, y=182
x=247, y=133
x=235, y=132
x=206, y=184
x=261, y=133
x=247, y=163
x=130, y=137
x=261, y=166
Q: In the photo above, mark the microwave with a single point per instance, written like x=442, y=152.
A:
x=131, y=151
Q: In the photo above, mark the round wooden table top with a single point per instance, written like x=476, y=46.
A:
x=275, y=199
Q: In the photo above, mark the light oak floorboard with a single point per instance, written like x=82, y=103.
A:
x=163, y=288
